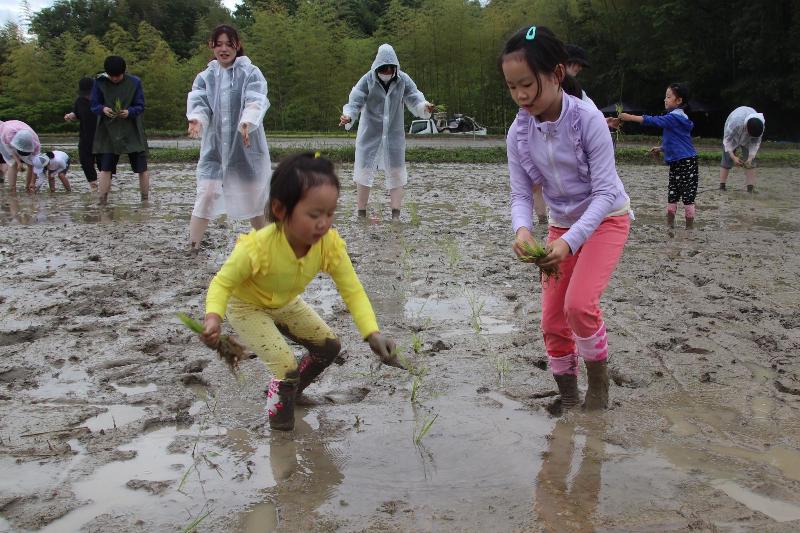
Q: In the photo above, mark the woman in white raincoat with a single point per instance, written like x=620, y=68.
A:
x=381, y=144
x=226, y=106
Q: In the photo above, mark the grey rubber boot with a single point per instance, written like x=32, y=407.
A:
x=597, y=395
x=568, y=388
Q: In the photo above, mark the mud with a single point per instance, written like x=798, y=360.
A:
x=115, y=417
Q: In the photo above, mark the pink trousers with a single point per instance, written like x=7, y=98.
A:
x=572, y=322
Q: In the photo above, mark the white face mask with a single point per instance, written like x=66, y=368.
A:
x=385, y=77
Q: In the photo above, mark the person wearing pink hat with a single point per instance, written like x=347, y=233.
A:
x=18, y=144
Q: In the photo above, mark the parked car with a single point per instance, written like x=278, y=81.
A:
x=439, y=123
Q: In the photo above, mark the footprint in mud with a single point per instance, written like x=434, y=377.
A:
x=8, y=338
x=353, y=395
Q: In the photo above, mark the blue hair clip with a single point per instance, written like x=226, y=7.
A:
x=531, y=33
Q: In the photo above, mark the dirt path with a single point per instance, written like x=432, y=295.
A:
x=115, y=418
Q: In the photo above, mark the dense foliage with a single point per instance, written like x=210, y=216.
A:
x=736, y=52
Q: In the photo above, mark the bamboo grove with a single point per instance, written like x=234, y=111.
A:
x=732, y=53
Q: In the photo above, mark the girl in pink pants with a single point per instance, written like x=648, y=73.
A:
x=562, y=144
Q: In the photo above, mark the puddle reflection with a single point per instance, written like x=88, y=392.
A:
x=566, y=502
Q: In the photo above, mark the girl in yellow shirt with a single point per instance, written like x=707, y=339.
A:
x=261, y=282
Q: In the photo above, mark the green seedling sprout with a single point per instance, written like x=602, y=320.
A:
x=440, y=108
x=534, y=253
x=426, y=426
x=619, y=109
x=192, y=526
x=229, y=350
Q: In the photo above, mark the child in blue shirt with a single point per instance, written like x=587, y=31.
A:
x=678, y=149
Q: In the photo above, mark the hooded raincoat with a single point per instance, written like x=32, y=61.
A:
x=381, y=142
x=231, y=178
x=735, y=132
x=8, y=131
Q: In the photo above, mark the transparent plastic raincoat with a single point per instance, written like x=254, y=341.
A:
x=381, y=141
x=735, y=133
x=231, y=178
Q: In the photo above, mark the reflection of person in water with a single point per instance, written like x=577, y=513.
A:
x=563, y=507
x=301, y=464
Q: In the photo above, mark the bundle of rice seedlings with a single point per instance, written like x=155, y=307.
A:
x=228, y=349
x=534, y=253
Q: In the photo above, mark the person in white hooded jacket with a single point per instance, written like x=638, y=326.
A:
x=226, y=108
x=743, y=130
x=376, y=101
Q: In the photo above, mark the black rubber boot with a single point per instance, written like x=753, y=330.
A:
x=568, y=388
x=597, y=395
x=750, y=189
x=722, y=186
x=280, y=402
x=689, y=223
x=362, y=213
x=310, y=367
x=395, y=215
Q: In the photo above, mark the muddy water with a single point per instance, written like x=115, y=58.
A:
x=115, y=418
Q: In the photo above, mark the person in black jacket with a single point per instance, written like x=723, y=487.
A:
x=82, y=112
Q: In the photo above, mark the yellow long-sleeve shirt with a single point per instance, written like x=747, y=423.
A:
x=263, y=270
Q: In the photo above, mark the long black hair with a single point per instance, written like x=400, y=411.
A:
x=294, y=176
x=542, y=50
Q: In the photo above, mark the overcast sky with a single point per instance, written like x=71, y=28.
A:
x=10, y=9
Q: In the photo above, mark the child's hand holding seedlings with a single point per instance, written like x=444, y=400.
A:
x=429, y=107
x=655, y=151
x=523, y=236
x=122, y=113
x=384, y=348
x=344, y=119
x=107, y=111
x=211, y=330
x=557, y=251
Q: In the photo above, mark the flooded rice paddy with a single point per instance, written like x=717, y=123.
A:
x=114, y=417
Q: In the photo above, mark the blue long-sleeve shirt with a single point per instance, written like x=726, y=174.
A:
x=677, y=140
x=137, y=104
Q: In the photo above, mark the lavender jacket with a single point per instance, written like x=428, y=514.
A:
x=573, y=160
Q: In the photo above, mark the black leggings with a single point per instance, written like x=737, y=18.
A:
x=88, y=165
x=683, y=177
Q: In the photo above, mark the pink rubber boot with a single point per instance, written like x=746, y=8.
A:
x=565, y=372
x=671, y=210
x=689, y=210
x=594, y=351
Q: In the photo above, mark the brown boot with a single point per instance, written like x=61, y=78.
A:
x=671, y=220
x=568, y=387
x=689, y=223
x=280, y=402
x=597, y=395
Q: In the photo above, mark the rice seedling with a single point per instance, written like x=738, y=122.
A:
x=413, y=211
x=618, y=133
x=534, y=253
x=476, y=305
x=501, y=367
x=440, y=108
x=424, y=428
x=192, y=526
x=229, y=350
x=452, y=252
x=416, y=343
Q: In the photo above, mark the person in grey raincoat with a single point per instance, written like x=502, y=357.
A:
x=376, y=102
x=226, y=107
x=743, y=130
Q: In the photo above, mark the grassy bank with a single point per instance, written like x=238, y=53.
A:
x=346, y=154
